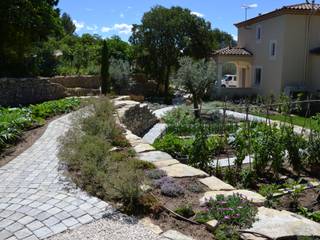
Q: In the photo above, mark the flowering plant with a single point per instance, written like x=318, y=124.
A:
x=231, y=210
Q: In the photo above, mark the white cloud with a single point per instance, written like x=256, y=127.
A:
x=89, y=9
x=92, y=28
x=235, y=37
x=106, y=29
x=197, y=14
x=253, y=5
x=79, y=25
x=121, y=15
x=123, y=28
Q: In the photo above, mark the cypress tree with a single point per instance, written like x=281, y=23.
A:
x=105, y=63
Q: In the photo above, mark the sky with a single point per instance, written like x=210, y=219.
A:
x=115, y=17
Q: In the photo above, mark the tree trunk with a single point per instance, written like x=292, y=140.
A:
x=196, y=106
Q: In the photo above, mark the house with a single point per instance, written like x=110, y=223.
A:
x=277, y=52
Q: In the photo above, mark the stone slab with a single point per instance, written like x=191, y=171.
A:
x=215, y=184
x=147, y=222
x=279, y=224
x=256, y=198
x=166, y=163
x=212, y=225
x=182, y=170
x=154, y=133
x=175, y=235
x=143, y=147
x=154, y=156
x=160, y=113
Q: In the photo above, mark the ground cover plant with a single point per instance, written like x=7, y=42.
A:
x=13, y=121
x=87, y=151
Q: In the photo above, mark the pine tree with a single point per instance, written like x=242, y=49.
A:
x=105, y=78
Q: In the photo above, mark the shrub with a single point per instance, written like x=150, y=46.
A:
x=267, y=190
x=226, y=232
x=216, y=144
x=156, y=174
x=140, y=164
x=173, y=145
x=231, y=210
x=185, y=211
x=195, y=187
x=171, y=189
x=165, y=180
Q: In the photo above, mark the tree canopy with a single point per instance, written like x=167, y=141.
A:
x=23, y=23
x=67, y=23
x=165, y=35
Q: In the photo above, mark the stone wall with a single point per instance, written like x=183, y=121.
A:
x=86, y=82
x=139, y=119
x=24, y=91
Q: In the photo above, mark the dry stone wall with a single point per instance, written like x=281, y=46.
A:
x=86, y=82
x=24, y=91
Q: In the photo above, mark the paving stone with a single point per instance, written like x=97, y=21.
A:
x=23, y=233
x=62, y=215
x=58, y=228
x=165, y=163
x=154, y=133
x=43, y=216
x=140, y=148
x=6, y=213
x=251, y=196
x=25, y=220
x=42, y=232
x=4, y=234
x=70, y=222
x=51, y=221
x=175, y=235
x=35, y=225
x=85, y=219
x=283, y=224
x=14, y=227
x=154, y=156
x=5, y=222
x=215, y=184
x=182, y=170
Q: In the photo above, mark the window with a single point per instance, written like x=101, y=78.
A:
x=273, y=49
x=258, y=75
x=258, y=33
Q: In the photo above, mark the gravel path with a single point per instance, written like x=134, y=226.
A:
x=37, y=201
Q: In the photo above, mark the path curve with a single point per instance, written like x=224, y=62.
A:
x=37, y=201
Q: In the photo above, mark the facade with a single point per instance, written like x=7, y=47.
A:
x=277, y=52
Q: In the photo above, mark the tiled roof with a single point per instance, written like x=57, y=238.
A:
x=299, y=9
x=234, y=51
x=303, y=6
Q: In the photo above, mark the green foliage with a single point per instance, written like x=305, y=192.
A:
x=173, y=145
x=105, y=63
x=314, y=216
x=200, y=155
x=185, y=211
x=23, y=24
x=13, y=121
x=226, y=232
x=119, y=72
x=232, y=210
x=267, y=190
x=195, y=187
x=313, y=149
x=196, y=77
x=68, y=25
x=110, y=175
x=164, y=36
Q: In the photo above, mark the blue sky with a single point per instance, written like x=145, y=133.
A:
x=115, y=17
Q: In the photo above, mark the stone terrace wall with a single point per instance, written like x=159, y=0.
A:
x=86, y=82
x=23, y=91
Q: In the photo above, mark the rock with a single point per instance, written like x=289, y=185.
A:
x=165, y=163
x=155, y=132
x=279, y=224
x=212, y=225
x=121, y=98
x=216, y=184
x=147, y=222
x=160, y=113
x=256, y=198
x=175, y=235
x=154, y=156
x=182, y=170
x=122, y=103
x=250, y=236
x=143, y=147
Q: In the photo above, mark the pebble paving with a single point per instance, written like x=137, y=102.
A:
x=36, y=199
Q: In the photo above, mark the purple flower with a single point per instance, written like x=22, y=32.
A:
x=227, y=217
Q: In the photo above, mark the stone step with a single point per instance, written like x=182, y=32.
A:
x=154, y=156
x=155, y=132
x=143, y=147
x=215, y=184
x=182, y=170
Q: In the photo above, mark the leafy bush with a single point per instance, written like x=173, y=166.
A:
x=156, y=174
x=171, y=189
x=185, y=211
x=173, y=145
x=13, y=121
x=315, y=216
x=231, y=210
x=195, y=187
x=267, y=190
x=226, y=232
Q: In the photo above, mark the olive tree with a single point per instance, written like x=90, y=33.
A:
x=195, y=76
x=119, y=72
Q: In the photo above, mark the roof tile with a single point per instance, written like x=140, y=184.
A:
x=234, y=51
